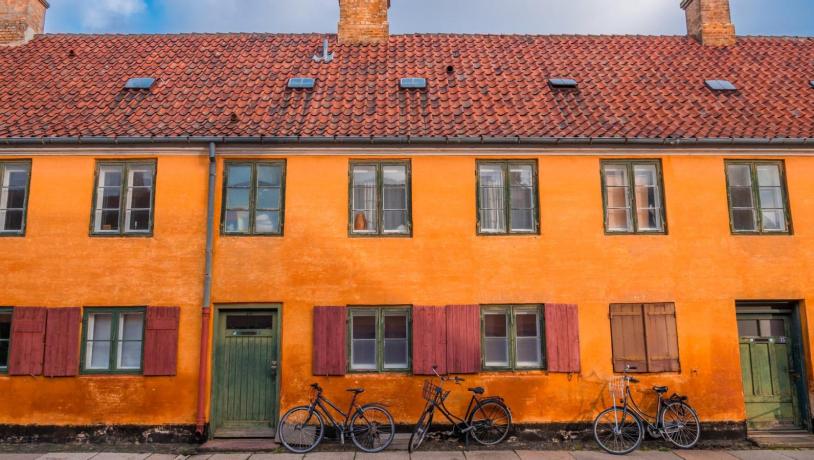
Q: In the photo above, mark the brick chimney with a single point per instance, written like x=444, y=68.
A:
x=20, y=20
x=709, y=22
x=363, y=21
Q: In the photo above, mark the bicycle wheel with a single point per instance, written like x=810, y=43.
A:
x=491, y=423
x=301, y=430
x=372, y=428
x=422, y=427
x=618, y=431
x=680, y=424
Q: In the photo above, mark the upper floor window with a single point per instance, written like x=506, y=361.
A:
x=379, y=339
x=124, y=197
x=758, y=200
x=380, y=198
x=513, y=337
x=633, y=196
x=253, y=198
x=14, y=178
x=5, y=338
x=113, y=340
x=507, y=197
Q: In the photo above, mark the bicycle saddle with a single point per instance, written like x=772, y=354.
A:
x=660, y=390
x=356, y=390
x=477, y=390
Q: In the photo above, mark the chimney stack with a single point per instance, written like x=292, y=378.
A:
x=20, y=20
x=709, y=22
x=363, y=21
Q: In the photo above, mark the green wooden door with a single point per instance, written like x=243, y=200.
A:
x=767, y=371
x=246, y=365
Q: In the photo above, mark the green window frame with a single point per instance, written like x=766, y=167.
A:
x=117, y=341
x=515, y=340
x=507, y=195
x=633, y=193
x=14, y=191
x=757, y=195
x=253, y=203
x=5, y=338
x=376, y=321
x=123, y=198
x=370, y=212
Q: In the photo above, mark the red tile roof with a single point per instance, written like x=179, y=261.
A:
x=649, y=87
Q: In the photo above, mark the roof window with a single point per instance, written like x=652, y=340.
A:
x=811, y=83
x=413, y=83
x=562, y=83
x=140, y=83
x=301, y=83
x=720, y=85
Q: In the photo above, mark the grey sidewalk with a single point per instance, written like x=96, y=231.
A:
x=441, y=455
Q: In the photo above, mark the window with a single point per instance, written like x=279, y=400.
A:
x=253, y=198
x=123, y=203
x=379, y=339
x=757, y=197
x=5, y=338
x=513, y=337
x=113, y=340
x=644, y=337
x=633, y=197
x=14, y=178
x=507, y=197
x=380, y=198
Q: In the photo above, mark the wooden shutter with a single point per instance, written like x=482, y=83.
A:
x=662, y=339
x=429, y=340
x=62, y=342
x=562, y=338
x=463, y=339
x=330, y=347
x=627, y=337
x=27, y=341
x=161, y=341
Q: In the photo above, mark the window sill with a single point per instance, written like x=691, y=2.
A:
x=121, y=235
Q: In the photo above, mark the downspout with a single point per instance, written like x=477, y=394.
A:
x=207, y=296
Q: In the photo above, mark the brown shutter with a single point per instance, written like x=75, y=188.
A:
x=627, y=337
x=429, y=340
x=463, y=339
x=62, y=342
x=330, y=347
x=27, y=341
x=562, y=338
x=161, y=341
x=662, y=340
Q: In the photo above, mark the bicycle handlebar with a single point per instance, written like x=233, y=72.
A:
x=443, y=378
x=316, y=387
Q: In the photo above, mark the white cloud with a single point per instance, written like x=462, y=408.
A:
x=101, y=14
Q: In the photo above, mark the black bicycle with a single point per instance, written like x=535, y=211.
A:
x=488, y=420
x=619, y=429
x=370, y=426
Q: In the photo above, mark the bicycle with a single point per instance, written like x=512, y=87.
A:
x=619, y=429
x=370, y=426
x=488, y=420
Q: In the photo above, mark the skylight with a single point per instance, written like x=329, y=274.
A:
x=720, y=85
x=301, y=83
x=562, y=83
x=413, y=83
x=139, y=83
x=811, y=83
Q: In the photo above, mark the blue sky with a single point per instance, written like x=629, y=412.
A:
x=751, y=17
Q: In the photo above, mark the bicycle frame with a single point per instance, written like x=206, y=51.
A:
x=320, y=402
x=629, y=404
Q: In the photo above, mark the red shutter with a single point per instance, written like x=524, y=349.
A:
x=330, y=352
x=161, y=341
x=62, y=342
x=463, y=339
x=562, y=338
x=27, y=341
x=429, y=340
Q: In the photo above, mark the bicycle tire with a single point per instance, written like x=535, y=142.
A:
x=371, y=430
x=611, y=438
x=422, y=427
x=494, y=424
x=685, y=428
x=286, y=429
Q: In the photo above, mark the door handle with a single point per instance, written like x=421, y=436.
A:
x=273, y=367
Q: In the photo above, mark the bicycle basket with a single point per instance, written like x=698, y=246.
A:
x=616, y=387
x=431, y=391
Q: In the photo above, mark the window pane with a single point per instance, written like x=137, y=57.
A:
x=527, y=324
x=11, y=220
x=107, y=220
x=364, y=199
x=139, y=221
x=521, y=175
x=523, y=220
x=748, y=328
x=521, y=198
x=617, y=197
x=364, y=326
x=16, y=176
x=129, y=355
x=395, y=326
x=774, y=221
x=395, y=197
x=744, y=220
x=131, y=327
x=99, y=355
x=777, y=328
x=110, y=176
x=110, y=198
x=771, y=197
x=99, y=336
x=100, y=326
x=616, y=176
x=267, y=222
x=394, y=175
x=495, y=324
x=239, y=176
x=497, y=351
x=492, y=221
x=648, y=199
x=268, y=198
x=490, y=175
x=237, y=222
x=364, y=176
x=142, y=177
x=395, y=222
x=237, y=198
x=619, y=220
x=364, y=354
x=5, y=335
x=768, y=175
x=269, y=176
x=618, y=200
x=4, y=353
x=395, y=353
x=13, y=198
x=492, y=198
x=141, y=197
x=528, y=352
x=739, y=175
x=741, y=197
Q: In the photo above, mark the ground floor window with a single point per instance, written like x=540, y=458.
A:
x=379, y=339
x=644, y=337
x=113, y=340
x=5, y=338
x=513, y=337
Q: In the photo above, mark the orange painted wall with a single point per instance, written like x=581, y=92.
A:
x=700, y=266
